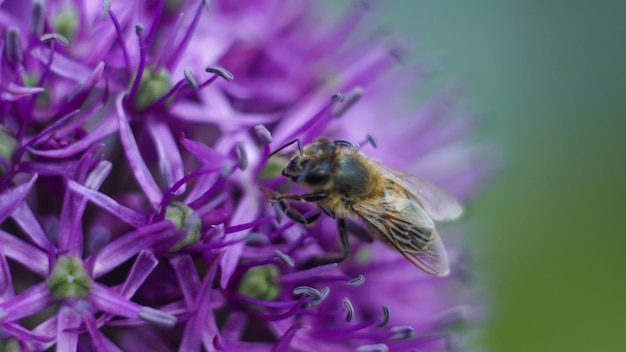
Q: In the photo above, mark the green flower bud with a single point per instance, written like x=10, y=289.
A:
x=69, y=279
x=9, y=345
x=153, y=86
x=66, y=23
x=258, y=283
x=43, y=98
x=273, y=167
x=185, y=219
x=8, y=146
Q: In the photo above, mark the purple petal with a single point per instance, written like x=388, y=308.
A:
x=187, y=275
x=6, y=283
x=28, y=302
x=18, y=332
x=55, y=168
x=144, y=265
x=121, y=249
x=303, y=120
x=170, y=161
x=234, y=326
x=202, y=327
x=14, y=92
x=69, y=320
x=26, y=220
x=202, y=152
x=197, y=113
x=100, y=342
x=247, y=211
x=111, y=302
x=62, y=65
x=31, y=257
x=107, y=127
x=87, y=85
x=70, y=230
x=123, y=213
x=285, y=339
x=97, y=176
x=13, y=197
x=137, y=164
x=47, y=329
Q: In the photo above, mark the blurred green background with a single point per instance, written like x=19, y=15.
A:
x=549, y=79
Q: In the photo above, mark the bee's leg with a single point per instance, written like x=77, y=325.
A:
x=333, y=258
x=359, y=231
x=345, y=241
x=307, y=197
x=295, y=215
x=328, y=212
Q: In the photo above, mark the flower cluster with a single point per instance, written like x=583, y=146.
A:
x=134, y=180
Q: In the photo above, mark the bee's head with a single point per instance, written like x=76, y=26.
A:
x=312, y=166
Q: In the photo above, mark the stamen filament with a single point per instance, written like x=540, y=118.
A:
x=186, y=38
x=142, y=64
x=120, y=37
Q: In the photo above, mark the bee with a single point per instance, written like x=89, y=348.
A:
x=399, y=209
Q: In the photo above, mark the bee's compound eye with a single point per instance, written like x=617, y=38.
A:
x=317, y=176
x=294, y=165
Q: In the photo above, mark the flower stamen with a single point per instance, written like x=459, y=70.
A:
x=190, y=78
x=242, y=157
x=401, y=333
x=142, y=65
x=187, y=37
x=157, y=317
x=37, y=18
x=49, y=37
x=263, y=135
x=285, y=258
x=378, y=347
x=219, y=72
x=352, y=97
x=385, y=317
x=349, y=309
x=14, y=46
x=106, y=11
x=357, y=281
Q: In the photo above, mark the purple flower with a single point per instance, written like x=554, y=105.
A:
x=135, y=180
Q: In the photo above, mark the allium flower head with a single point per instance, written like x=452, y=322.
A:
x=135, y=180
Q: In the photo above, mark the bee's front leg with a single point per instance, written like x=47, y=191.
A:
x=307, y=197
x=293, y=214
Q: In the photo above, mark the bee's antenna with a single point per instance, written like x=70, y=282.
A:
x=297, y=140
x=350, y=145
x=369, y=139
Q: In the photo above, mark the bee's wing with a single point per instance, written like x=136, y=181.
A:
x=440, y=205
x=400, y=221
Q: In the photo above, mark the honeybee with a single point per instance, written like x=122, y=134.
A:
x=398, y=208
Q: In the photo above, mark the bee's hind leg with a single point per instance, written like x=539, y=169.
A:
x=359, y=231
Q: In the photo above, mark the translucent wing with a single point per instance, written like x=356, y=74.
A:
x=400, y=221
x=440, y=205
